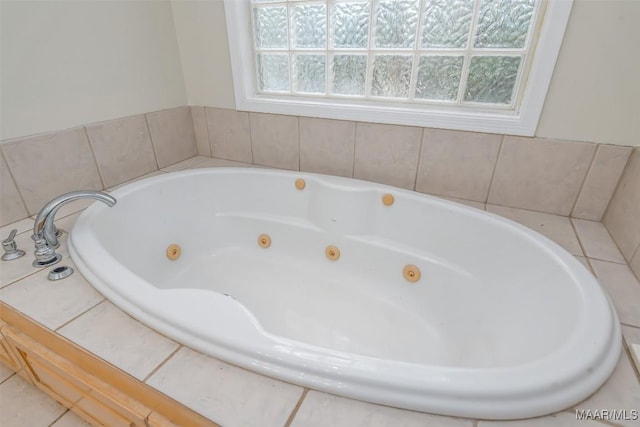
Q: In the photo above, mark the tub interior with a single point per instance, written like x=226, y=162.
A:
x=477, y=304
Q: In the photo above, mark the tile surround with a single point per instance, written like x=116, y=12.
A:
x=45, y=166
x=540, y=174
x=601, y=181
x=316, y=407
x=327, y=146
x=274, y=140
x=123, y=149
x=200, y=130
x=596, y=241
x=229, y=134
x=117, y=338
x=12, y=207
x=457, y=164
x=622, y=218
x=387, y=154
x=325, y=410
x=623, y=288
x=173, y=135
x=228, y=395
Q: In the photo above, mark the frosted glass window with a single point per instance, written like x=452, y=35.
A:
x=492, y=79
x=439, y=77
x=391, y=76
x=447, y=23
x=458, y=52
x=350, y=24
x=349, y=74
x=311, y=73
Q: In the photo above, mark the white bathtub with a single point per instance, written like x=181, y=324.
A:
x=503, y=323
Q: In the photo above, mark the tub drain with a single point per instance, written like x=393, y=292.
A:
x=60, y=273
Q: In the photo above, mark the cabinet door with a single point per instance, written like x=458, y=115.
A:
x=6, y=356
x=89, y=397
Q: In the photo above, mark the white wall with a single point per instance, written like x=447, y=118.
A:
x=595, y=89
x=202, y=37
x=594, y=94
x=69, y=63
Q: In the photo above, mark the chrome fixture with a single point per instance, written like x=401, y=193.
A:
x=11, y=250
x=60, y=273
x=45, y=234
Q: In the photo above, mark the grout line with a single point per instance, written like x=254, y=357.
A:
x=355, y=148
x=95, y=159
x=206, y=129
x=418, y=162
x=79, y=315
x=161, y=364
x=22, y=278
x=294, y=412
x=206, y=120
x=12, y=374
x=629, y=325
x=250, y=138
x=24, y=204
x=61, y=415
x=584, y=179
x=617, y=187
x=575, y=232
x=493, y=172
x=153, y=146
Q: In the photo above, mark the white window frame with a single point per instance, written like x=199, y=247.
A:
x=521, y=121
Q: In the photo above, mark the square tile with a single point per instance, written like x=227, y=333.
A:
x=620, y=391
x=229, y=134
x=457, y=164
x=555, y=227
x=601, y=181
x=5, y=373
x=21, y=226
x=274, y=141
x=148, y=175
x=38, y=178
x=596, y=241
x=224, y=393
x=622, y=218
x=52, y=303
x=327, y=146
x=471, y=203
x=22, y=404
x=387, y=154
x=172, y=135
x=123, y=149
x=200, y=131
x=112, y=335
x=540, y=174
x=11, y=271
x=70, y=420
x=623, y=288
x=219, y=163
x=12, y=207
x=322, y=409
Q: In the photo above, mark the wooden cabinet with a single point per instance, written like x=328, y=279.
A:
x=90, y=387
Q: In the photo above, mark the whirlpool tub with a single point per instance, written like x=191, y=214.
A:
x=354, y=288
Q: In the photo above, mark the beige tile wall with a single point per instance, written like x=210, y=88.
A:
x=622, y=217
x=551, y=176
x=37, y=168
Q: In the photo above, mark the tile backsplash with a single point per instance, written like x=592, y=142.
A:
x=568, y=178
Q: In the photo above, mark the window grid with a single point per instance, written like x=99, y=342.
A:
x=371, y=52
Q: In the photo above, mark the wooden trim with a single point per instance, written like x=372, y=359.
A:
x=165, y=406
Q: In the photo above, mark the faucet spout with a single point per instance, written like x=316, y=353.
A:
x=44, y=232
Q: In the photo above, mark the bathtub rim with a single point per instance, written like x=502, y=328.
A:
x=360, y=386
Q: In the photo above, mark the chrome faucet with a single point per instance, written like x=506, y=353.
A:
x=45, y=234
